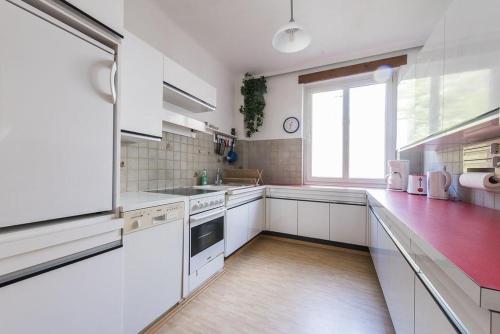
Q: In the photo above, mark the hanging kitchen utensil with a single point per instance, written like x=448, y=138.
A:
x=232, y=156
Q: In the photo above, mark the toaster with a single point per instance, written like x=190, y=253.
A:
x=417, y=184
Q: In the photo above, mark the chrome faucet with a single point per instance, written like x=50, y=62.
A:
x=218, y=178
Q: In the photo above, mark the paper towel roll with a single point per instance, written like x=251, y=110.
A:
x=485, y=181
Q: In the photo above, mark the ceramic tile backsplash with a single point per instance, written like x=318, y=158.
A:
x=280, y=159
x=451, y=157
x=173, y=162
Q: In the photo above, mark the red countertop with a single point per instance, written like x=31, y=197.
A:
x=468, y=235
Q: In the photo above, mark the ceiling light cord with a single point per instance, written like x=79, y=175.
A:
x=291, y=11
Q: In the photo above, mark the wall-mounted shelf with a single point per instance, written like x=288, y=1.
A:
x=483, y=127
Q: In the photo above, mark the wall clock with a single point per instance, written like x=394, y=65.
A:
x=291, y=125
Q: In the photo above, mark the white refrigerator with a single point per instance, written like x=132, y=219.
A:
x=61, y=255
x=56, y=120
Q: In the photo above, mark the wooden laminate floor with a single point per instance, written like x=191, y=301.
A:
x=276, y=286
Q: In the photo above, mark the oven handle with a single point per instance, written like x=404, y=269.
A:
x=201, y=217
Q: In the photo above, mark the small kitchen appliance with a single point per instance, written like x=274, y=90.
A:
x=417, y=184
x=397, y=179
x=438, y=183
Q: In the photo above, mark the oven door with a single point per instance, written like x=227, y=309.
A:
x=206, y=237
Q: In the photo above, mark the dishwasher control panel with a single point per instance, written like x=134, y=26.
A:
x=144, y=218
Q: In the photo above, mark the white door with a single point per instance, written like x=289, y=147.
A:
x=401, y=292
x=108, y=12
x=56, y=121
x=348, y=224
x=314, y=220
x=429, y=319
x=153, y=273
x=80, y=298
x=236, y=232
x=141, y=87
x=256, y=217
x=283, y=216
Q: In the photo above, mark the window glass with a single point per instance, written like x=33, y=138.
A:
x=367, y=131
x=326, y=134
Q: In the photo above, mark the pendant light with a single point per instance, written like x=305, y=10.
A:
x=291, y=37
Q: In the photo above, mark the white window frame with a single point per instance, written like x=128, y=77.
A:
x=345, y=84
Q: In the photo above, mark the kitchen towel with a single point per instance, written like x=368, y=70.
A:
x=484, y=181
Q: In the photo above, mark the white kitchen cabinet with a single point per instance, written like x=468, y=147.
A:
x=184, y=80
x=395, y=275
x=472, y=62
x=429, y=85
x=348, y=223
x=256, y=217
x=141, y=68
x=429, y=319
x=407, y=118
x=108, y=12
x=314, y=220
x=283, y=216
x=83, y=297
x=236, y=232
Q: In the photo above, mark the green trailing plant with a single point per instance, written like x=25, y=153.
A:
x=253, y=90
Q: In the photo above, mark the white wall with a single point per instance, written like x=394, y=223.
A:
x=148, y=21
x=284, y=99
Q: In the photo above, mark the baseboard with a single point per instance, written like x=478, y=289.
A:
x=317, y=241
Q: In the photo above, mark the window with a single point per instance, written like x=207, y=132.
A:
x=349, y=130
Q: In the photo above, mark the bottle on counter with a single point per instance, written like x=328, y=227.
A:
x=204, y=177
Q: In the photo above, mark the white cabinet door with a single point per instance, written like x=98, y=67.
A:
x=429, y=319
x=56, y=121
x=471, y=65
x=348, y=224
x=256, y=217
x=236, y=233
x=283, y=216
x=400, y=297
x=108, y=12
x=141, y=87
x=429, y=85
x=80, y=298
x=179, y=77
x=396, y=279
x=314, y=220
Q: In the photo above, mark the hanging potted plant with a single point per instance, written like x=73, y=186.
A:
x=253, y=90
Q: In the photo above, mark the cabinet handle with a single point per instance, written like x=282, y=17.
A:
x=112, y=82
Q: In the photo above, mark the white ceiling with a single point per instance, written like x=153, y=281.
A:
x=239, y=32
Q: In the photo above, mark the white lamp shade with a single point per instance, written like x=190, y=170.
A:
x=291, y=38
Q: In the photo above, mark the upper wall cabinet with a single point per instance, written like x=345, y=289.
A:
x=472, y=60
x=141, y=68
x=456, y=77
x=408, y=122
x=184, y=89
x=107, y=12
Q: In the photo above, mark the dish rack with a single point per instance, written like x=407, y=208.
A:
x=242, y=176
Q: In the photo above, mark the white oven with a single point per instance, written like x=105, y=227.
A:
x=206, y=237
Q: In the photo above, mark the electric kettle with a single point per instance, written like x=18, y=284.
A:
x=438, y=183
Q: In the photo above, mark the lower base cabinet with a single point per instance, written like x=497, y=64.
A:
x=348, y=223
x=283, y=216
x=236, y=233
x=411, y=306
x=256, y=217
x=314, y=220
x=242, y=224
x=429, y=319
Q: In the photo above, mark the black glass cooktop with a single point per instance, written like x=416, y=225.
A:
x=183, y=191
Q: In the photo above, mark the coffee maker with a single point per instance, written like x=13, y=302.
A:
x=397, y=179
